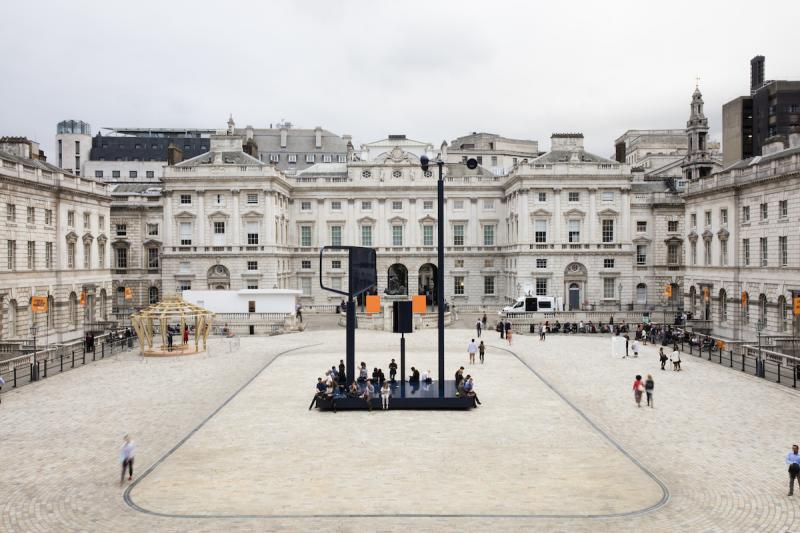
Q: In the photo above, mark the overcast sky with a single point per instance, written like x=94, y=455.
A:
x=432, y=70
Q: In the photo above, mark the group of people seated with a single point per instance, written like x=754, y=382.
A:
x=584, y=327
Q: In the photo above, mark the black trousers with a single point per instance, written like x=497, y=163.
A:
x=127, y=463
x=792, y=477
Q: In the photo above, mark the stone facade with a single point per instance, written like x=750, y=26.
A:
x=55, y=243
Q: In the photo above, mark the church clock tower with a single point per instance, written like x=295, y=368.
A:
x=698, y=162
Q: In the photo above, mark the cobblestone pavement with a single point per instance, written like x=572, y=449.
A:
x=558, y=434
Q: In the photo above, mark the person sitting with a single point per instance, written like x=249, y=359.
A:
x=362, y=373
x=375, y=375
x=319, y=394
x=353, y=391
x=369, y=392
x=414, y=376
x=426, y=376
x=469, y=386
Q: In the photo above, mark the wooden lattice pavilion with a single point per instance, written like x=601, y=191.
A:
x=171, y=311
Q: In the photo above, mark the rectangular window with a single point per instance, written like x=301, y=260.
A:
x=693, y=253
x=133, y=174
x=488, y=235
x=541, y=263
x=31, y=255
x=745, y=213
x=574, y=230
x=115, y=174
x=219, y=229
x=427, y=205
x=783, y=250
x=274, y=158
x=252, y=198
x=186, y=199
x=542, y=196
x=608, y=263
x=252, y=232
x=336, y=235
x=184, y=285
x=641, y=225
x=427, y=235
x=459, y=263
x=764, y=211
x=672, y=254
x=641, y=254
x=366, y=236
x=723, y=253
x=31, y=215
x=87, y=256
x=488, y=285
x=458, y=204
x=573, y=196
x=152, y=229
x=540, y=230
x=150, y=174
x=292, y=159
x=336, y=205
x=458, y=235
x=122, y=230
x=763, y=248
x=541, y=286
x=488, y=204
x=608, y=196
x=305, y=286
x=336, y=264
x=707, y=253
x=152, y=258
x=184, y=267
x=122, y=258
x=708, y=218
x=305, y=235
x=186, y=233
x=340, y=158
x=87, y=221
x=366, y=205
x=48, y=255
x=101, y=255
x=397, y=235
x=12, y=255
x=397, y=206
x=98, y=173
x=101, y=222
x=458, y=285
x=251, y=306
x=336, y=283
x=71, y=219
x=488, y=263
x=608, y=288
x=252, y=265
x=305, y=263
x=693, y=220
x=48, y=217
x=783, y=208
x=608, y=230
x=672, y=226
x=252, y=285
x=494, y=160
x=746, y=252
x=309, y=158
x=723, y=217
x=305, y=206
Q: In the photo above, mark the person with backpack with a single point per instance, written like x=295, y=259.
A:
x=481, y=351
x=662, y=357
x=638, y=389
x=649, y=387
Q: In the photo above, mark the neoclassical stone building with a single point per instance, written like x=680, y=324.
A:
x=54, y=227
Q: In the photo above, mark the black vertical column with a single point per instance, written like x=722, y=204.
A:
x=440, y=275
x=351, y=340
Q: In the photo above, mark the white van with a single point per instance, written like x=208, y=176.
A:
x=534, y=304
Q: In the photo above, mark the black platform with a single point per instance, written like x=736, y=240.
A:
x=405, y=396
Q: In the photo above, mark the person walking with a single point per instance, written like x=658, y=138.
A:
x=126, y=458
x=662, y=357
x=793, y=460
x=509, y=333
x=638, y=389
x=542, y=332
x=472, y=348
x=649, y=386
x=386, y=392
x=635, y=347
x=481, y=351
x=501, y=327
x=676, y=358
x=478, y=328
x=169, y=340
x=627, y=341
x=342, y=372
x=185, y=334
x=484, y=320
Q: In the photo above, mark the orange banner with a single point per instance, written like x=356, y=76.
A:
x=373, y=303
x=83, y=298
x=128, y=293
x=39, y=304
x=796, y=305
x=744, y=298
x=419, y=303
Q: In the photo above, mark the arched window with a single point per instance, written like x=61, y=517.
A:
x=781, y=310
x=120, y=296
x=73, y=309
x=723, y=306
x=641, y=294
x=153, y=294
x=692, y=300
x=762, y=311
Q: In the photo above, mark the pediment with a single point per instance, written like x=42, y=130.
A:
x=541, y=213
x=152, y=242
x=366, y=220
x=87, y=238
x=641, y=240
x=102, y=239
x=608, y=212
x=185, y=214
x=71, y=237
x=427, y=219
x=723, y=234
x=252, y=213
x=218, y=214
x=693, y=236
x=575, y=212
x=398, y=219
x=707, y=235
x=675, y=240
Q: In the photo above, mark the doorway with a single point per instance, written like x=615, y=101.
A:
x=574, y=297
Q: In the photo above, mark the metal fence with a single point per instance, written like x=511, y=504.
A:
x=56, y=359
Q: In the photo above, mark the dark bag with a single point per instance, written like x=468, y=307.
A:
x=794, y=468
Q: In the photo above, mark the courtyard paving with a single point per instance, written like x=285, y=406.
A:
x=226, y=442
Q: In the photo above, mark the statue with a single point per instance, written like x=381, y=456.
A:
x=395, y=287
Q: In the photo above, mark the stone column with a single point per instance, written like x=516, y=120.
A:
x=557, y=237
x=201, y=218
x=381, y=225
x=625, y=206
x=591, y=230
x=269, y=221
x=237, y=237
x=170, y=226
x=322, y=224
x=414, y=228
x=524, y=216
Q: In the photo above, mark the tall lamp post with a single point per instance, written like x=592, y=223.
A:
x=424, y=162
x=34, y=330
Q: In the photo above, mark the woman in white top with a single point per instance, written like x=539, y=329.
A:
x=386, y=392
x=676, y=359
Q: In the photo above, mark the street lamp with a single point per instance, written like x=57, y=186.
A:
x=34, y=329
x=425, y=162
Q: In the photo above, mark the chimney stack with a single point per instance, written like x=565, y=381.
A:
x=318, y=137
x=174, y=154
x=756, y=73
x=284, y=136
x=794, y=137
x=773, y=145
